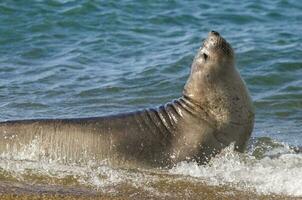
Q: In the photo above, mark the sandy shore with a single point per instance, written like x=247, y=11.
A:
x=18, y=191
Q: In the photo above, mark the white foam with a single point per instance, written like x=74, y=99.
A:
x=279, y=172
x=279, y=175
x=28, y=160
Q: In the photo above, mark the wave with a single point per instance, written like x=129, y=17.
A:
x=268, y=168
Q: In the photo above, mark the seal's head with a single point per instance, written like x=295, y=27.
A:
x=216, y=86
x=212, y=61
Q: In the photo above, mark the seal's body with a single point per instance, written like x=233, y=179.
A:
x=214, y=111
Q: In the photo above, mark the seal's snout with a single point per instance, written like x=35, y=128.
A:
x=215, y=43
x=214, y=33
x=214, y=38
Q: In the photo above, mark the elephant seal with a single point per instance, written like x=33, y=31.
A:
x=214, y=111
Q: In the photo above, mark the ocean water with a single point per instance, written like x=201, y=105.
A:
x=64, y=58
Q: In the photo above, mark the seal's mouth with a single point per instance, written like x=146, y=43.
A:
x=215, y=43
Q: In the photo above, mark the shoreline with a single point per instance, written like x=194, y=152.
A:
x=165, y=190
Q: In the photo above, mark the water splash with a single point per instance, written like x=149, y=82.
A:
x=278, y=170
x=271, y=174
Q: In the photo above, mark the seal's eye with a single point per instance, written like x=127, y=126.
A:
x=205, y=56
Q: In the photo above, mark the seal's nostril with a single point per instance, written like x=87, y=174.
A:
x=205, y=56
x=215, y=33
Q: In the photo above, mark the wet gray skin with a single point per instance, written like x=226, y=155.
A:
x=214, y=111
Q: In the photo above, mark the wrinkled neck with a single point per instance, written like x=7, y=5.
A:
x=181, y=109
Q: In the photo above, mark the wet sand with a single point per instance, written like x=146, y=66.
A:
x=162, y=190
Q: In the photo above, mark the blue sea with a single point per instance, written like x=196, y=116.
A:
x=67, y=58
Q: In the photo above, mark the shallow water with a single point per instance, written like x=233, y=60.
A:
x=92, y=58
x=272, y=172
